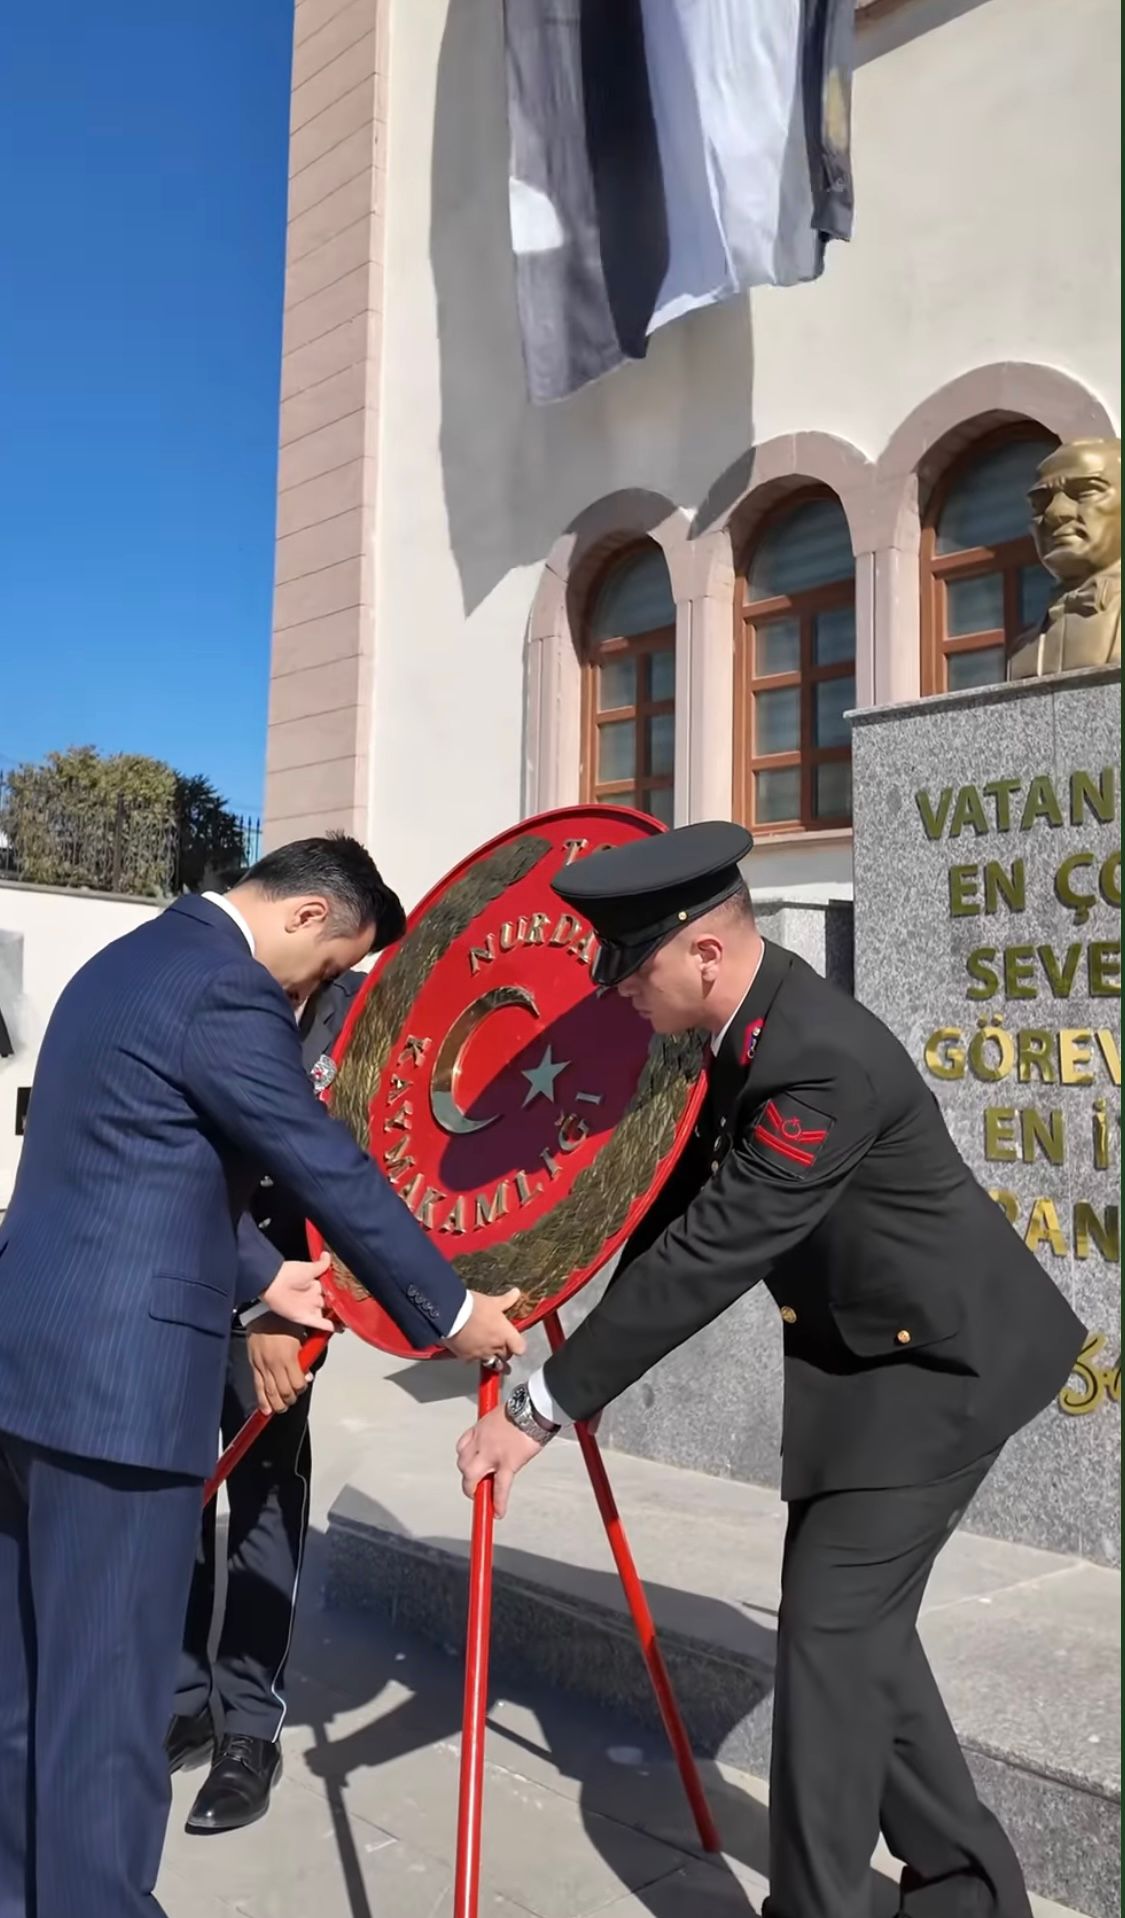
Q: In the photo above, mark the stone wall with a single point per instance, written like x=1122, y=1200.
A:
x=821, y=935
x=46, y=934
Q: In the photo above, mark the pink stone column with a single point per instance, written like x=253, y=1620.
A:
x=706, y=791
x=324, y=592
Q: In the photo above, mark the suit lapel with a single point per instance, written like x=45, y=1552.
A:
x=324, y=1018
x=317, y=1027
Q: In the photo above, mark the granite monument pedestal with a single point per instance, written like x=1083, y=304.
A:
x=987, y=936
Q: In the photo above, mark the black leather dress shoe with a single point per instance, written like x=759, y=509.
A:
x=190, y=1742
x=238, y=1787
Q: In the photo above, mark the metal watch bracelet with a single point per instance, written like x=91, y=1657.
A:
x=521, y=1413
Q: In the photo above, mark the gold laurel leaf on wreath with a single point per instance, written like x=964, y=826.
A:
x=540, y=1259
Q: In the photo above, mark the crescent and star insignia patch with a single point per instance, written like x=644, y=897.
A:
x=788, y=1135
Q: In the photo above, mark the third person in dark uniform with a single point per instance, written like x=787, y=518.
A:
x=919, y=1333
x=243, y=1689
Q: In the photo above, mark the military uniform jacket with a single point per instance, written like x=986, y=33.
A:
x=919, y=1331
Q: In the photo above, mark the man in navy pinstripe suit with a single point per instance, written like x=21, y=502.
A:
x=229, y=1710
x=170, y=1077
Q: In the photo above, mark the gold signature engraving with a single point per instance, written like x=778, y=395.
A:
x=1096, y=1383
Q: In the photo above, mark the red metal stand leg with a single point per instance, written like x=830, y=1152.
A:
x=643, y=1622
x=469, y=1811
x=257, y=1422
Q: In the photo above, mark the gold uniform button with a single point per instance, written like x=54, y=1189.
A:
x=788, y=1314
x=903, y=1338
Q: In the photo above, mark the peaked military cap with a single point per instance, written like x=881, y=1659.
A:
x=636, y=896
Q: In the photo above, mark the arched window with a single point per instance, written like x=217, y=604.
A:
x=630, y=687
x=982, y=584
x=795, y=671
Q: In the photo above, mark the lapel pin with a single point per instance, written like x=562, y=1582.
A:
x=323, y=1073
x=750, y=1042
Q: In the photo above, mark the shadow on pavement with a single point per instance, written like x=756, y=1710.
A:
x=625, y=1780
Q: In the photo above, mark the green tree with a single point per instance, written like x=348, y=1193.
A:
x=120, y=823
x=211, y=840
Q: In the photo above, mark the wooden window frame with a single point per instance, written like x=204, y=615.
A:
x=973, y=562
x=641, y=647
x=805, y=608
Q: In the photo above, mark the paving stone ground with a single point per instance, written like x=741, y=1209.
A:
x=584, y=1814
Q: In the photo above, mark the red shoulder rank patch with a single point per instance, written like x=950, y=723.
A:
x=790, y=1133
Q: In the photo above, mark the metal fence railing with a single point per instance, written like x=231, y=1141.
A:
x=70, y=837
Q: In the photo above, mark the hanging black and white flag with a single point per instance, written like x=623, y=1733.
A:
x=665, y=155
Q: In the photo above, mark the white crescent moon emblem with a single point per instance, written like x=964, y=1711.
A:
x=444, y=1084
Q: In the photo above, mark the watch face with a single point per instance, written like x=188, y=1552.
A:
x=526, y=1120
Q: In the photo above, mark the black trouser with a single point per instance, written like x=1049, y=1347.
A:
x=861, y=1739
x=268, y=1493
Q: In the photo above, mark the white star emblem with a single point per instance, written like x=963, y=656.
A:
x=541, y=1078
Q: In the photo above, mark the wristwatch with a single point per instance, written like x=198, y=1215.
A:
x=520, y=1412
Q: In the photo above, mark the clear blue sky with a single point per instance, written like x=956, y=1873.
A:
x=142, y=228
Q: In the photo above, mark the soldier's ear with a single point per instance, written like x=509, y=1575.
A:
x=709, y=948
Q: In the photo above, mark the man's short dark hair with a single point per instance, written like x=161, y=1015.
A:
x=738, y=905
x=345, y=872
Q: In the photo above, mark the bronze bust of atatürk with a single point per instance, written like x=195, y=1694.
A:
x=1076, y=523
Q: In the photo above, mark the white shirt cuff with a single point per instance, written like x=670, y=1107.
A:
x=462, y=1319
x=251, y=1312
x=542, y=1401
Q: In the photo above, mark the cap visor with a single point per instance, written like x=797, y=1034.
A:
x=613, y=963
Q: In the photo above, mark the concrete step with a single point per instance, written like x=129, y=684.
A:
x=1024, y=1643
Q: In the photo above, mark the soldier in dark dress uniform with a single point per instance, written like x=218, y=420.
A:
x=919, y=1333
x=268, y=1494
